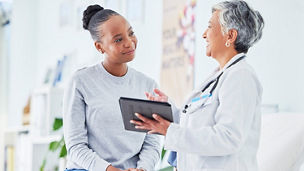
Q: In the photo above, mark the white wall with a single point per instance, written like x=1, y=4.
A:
x=149, y=35
x=277, y=57
x=22, y=60
x=3, y=69
x=55, y=41
x=3, y=86
x=38, y=41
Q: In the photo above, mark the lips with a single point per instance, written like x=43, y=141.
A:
x=129, y=52
x=207, y=43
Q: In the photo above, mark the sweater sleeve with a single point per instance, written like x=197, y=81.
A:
x=75, y=130
x=150, y=152
x=151, y=149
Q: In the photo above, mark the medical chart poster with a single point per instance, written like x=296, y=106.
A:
x=178, y=43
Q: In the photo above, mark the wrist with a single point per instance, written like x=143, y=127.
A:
x=142, y=169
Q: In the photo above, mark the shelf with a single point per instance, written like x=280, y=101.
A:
x=30, y=143
x=21, y=129
x=46, y=140
x=11, y=133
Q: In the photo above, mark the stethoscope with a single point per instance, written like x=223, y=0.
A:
x=216, y=80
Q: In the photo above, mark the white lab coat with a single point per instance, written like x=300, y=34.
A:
x=220, y=133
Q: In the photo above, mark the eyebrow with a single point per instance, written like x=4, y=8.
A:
x=117, y=35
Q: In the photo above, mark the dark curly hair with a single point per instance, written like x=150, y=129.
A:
x=93, y=17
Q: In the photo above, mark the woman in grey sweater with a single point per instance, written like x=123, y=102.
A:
x=93, y=128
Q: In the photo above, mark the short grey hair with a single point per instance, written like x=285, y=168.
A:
x=248, y=23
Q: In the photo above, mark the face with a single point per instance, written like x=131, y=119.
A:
x=118, y=40
x=214, y=37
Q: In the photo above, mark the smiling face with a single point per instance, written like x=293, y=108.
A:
x=118, y=40
x=214, y=37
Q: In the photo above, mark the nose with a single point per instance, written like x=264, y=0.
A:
x=205, y=34
x=129, y=43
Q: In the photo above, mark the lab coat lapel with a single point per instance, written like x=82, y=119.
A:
x=213, y=76
x=198, y=90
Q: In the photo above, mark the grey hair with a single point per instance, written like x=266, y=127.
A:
x=247, y=22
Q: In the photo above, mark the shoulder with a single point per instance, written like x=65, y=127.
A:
x=240, y=69
x=241, y=74
x=139, y=76
x=85, y=72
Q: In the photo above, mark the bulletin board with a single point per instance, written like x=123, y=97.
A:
x=178, y=51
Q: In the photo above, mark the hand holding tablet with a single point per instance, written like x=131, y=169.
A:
x=130, y=106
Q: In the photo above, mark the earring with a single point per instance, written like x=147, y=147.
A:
x=227, y=44
x=100, y=51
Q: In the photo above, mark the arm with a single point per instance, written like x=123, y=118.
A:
x=150, y=152
x=151, y=149
x=238, y=98
x=75, y=131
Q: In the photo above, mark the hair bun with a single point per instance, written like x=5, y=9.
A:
x=88, y=14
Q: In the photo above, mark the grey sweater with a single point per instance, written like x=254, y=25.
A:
x=93, y=128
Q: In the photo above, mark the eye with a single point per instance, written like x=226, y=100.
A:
x=131, y=33
x=118, y=40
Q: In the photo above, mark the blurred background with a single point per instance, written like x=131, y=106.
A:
x=42, y=43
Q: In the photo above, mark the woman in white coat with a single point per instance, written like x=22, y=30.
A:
x=219, y=127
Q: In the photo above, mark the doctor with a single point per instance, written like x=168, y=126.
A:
x=219, y=127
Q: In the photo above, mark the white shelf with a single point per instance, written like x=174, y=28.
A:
x=21, y=129
x=31, y=142
x=46, y=140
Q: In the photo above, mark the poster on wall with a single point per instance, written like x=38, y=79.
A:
x=178, y=37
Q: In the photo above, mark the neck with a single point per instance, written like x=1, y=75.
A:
x=115, y=69
x=223, y=59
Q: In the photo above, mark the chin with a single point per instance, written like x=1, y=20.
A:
x=129, y=58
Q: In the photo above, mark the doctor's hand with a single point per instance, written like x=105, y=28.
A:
x=161, y=97
x=159, y=125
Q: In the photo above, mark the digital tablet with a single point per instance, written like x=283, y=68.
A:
x=130, y=106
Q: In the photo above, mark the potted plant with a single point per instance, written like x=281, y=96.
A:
x=54, y=146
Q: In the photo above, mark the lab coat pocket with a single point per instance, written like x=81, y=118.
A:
x=215, y=163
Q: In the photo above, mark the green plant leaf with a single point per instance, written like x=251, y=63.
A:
x=169, y=168
x=163, y=153
x=57, y=124
x=63, y=151
x=54, y=145
x=43, y=165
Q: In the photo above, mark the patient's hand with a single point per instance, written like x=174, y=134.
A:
x=111, y=168
x=161, y=97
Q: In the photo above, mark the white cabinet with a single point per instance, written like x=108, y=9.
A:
x=46, y=105
x=30, y=143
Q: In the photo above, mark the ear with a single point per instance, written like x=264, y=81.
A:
x=232, y=35
x=99, y=46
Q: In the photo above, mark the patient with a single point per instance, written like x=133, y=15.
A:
x=93, y=128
